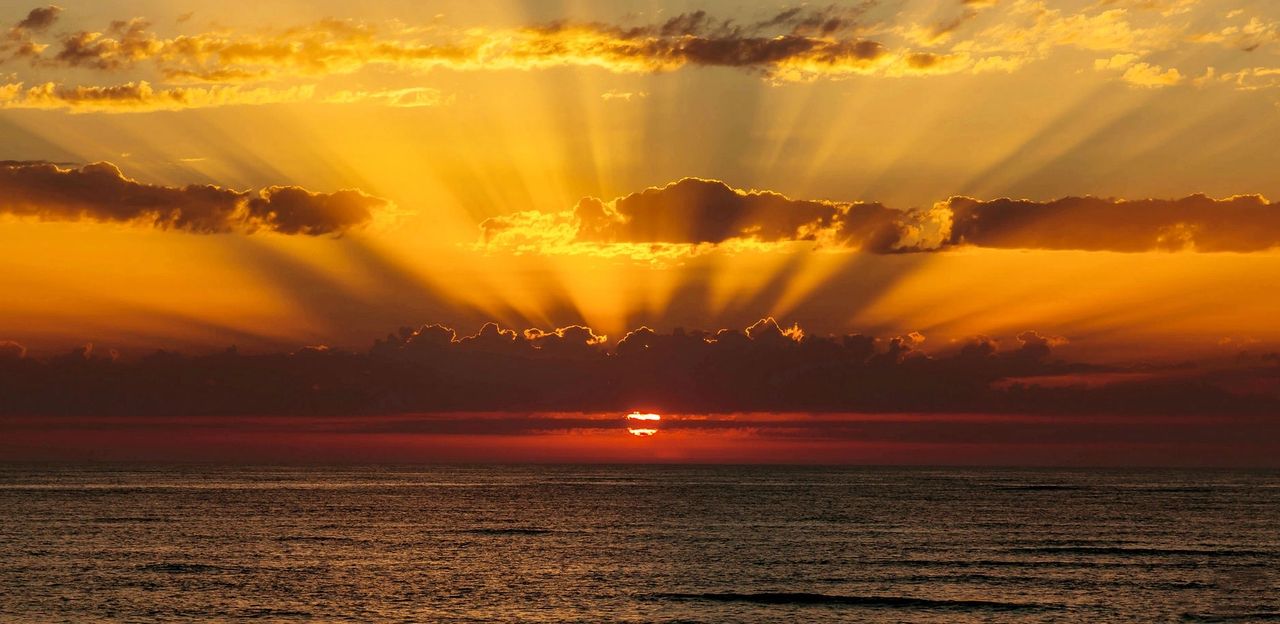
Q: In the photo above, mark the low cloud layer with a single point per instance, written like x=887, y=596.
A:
x=766, y=367
x=694, y=215
x=101, y=192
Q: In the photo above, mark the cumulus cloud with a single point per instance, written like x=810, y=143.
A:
x=1142, y=74
x=18, y=42
x=767, y=367
x=124, y=43
x=39, y=19
x=692, y=214
x=101, y=192
x=695, y=215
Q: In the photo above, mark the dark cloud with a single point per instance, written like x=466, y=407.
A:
x=791, y=44
x=101, y=192
x=765, y=368
x=17, y=42
x=794, y=21
x=1242, y=223
x=39, y=19
x=818, y=37
x=695, y=211
x=124, y=43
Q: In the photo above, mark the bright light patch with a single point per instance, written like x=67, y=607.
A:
x=644, y=432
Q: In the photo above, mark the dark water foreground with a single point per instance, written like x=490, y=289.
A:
x=637, y=544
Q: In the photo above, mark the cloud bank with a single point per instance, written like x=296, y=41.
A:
x=101, y=192
x=694, y=215
x=764, y=368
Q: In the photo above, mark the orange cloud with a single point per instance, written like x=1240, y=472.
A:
x=142, y=97
x=101, y=192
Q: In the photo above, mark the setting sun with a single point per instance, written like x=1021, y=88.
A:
x=639, y=418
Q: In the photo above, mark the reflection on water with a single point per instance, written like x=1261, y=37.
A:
x=637, y=544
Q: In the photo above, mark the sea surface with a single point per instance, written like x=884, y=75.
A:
x=636, y=544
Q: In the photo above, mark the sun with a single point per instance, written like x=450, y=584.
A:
x=637, y=418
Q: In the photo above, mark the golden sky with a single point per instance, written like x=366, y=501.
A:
x=401, y=163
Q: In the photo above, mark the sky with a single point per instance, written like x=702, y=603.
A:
x=949, y=231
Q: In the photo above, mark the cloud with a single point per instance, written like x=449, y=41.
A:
x=790, y=42
x=39, y=19
x=124, y=43
x=1243, y=223
x=613, y=95
x=18, y=41
x=414, y=97
x=101, y=192
x=134, y=97
x=767, y=367
x=1151, y=76
x=794, y=44
x=10, y=350
x=694, y=215
x=142, y=97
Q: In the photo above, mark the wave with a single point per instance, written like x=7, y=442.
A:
x=871, y=602
x=1058, y=563
x=1263, y=616
x=1141, y=551
x=1036, y=487
x=317, y=538
x=273, y=614
x=179, y=568
x=1025, y=581
x=507, y=531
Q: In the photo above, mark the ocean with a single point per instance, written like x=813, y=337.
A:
x=636, y=544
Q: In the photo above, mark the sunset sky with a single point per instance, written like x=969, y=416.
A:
x=1021, y=231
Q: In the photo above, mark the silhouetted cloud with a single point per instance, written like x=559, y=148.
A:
x=1241, y=223
x=693, y=215
x=765, y=368
x=693, y=211
x=18, y=40
x=39, y=19
x=101, y=192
